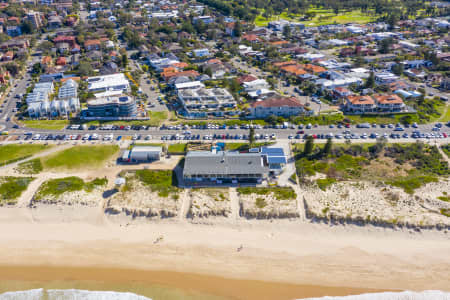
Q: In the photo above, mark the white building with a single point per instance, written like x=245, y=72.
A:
x=113, y=82
x=191, y=85
x=277, y=106
x=142, y=154
x=205, y=99
x=385, y=77
x=68, y=90
x=254, y=85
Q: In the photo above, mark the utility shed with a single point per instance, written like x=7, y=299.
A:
x=224, y=167
x=142, y=154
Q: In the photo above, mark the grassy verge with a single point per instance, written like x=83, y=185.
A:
x=79, y=157
x=46, y=124
x=156, y=119
x=11, y=188
x=56, y=187
x=245, y=146
x=280, y=193
x=162, y=182
x=15, y=152
x=177, y=148
x=33, y=166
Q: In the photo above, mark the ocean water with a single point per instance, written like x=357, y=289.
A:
x=71, y=294
x=407, y=295
x=74, y=294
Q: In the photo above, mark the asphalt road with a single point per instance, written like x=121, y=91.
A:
x=156, y=133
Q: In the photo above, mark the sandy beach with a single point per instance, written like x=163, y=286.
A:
x=58, y=242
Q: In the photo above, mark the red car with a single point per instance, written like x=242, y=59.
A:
x=347, y=125
x=444, y=134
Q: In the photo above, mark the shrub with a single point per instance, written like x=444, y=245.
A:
x=33, y=166
x=12, y=187
x=57, y=187
x=160, y=181
x=409, y=184
x=260, y=202
x=323, y=184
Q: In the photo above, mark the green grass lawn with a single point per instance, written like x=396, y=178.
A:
x=14, y=152
x=46, y=124
x=156, y=119
x=444, y=111
x=323, y=17
x=245, y=146
x=80, y=157
x=11, y=188
x=160, y=181
x=177, y=148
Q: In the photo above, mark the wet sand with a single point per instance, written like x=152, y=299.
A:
x=160, y=285
x=60, y=247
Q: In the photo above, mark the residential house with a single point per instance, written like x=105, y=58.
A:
x=4, y=77
x=61, y=61
x=389, y=103
x=360, y=104
x=54, y=22
x=90, y=45
x=8, y=56
x=276, y=106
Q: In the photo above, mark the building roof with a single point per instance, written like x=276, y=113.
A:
x=91, y=43
x=274, y=155
x=107, y=81
x=143, y=149
x=361, y=100
x=278, y=102
x=223, y=163
x=388, y=99
x=246, y=78
x=293, y=69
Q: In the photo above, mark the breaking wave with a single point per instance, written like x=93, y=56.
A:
x=425, y=295
x=42, y=294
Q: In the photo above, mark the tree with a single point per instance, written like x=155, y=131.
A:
x=85, y=68
x=397, y=69
x=124, y=60
x=385, y=45
x=328, y=146
x=272, y=119
x=27, y=27
x=12, y=68
x=251, y=136
x=287, y=31
x=45, y=46
x=370, y=82
x=309, y=146
x=237, y=30
x=37, y=68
